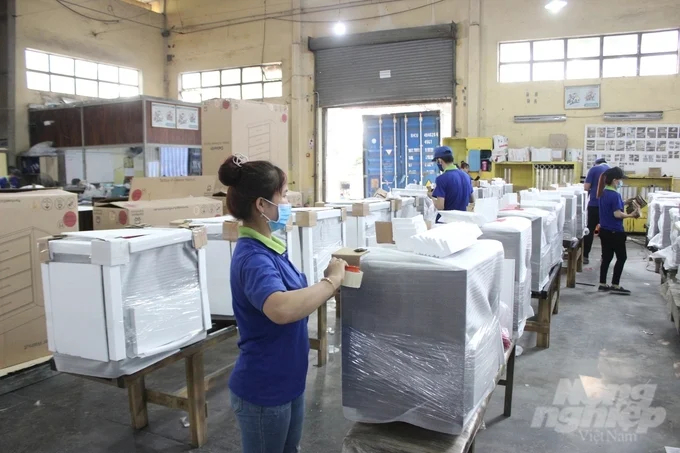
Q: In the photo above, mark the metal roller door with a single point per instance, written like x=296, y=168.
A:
x=382, y=67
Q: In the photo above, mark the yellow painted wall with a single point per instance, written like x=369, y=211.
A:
x=527, y=19
x=46, y=25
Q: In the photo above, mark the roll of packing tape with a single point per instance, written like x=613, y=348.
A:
x=353, y=277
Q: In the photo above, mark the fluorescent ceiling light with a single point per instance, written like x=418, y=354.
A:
x=339, y=28
x=540, y=119
x=555, y=6
x=633, y=116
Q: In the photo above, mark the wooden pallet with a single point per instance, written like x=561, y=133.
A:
x=548, y=305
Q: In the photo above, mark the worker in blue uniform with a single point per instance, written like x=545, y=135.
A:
x=453, y=188
x=11, y=181
x=592, y=180
x=271, y=301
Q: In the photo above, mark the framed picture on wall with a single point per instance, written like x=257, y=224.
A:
x=582, y=97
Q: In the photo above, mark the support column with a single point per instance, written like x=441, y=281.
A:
x=474, y=69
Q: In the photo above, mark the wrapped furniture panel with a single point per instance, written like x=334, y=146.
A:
x=415, y=351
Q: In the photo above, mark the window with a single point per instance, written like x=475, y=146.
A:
x=252, y=82
x=590, y=57
x=59, y=74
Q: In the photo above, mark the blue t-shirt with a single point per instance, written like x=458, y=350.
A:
x=455, y=187
x=610, y=202
x=271, y=369
x=593, y=178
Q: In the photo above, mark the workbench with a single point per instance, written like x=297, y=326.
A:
x=574, y=260
x=190, y=399
x=405, y=438
x=548, y=305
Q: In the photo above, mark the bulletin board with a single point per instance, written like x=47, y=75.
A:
x=634, y=147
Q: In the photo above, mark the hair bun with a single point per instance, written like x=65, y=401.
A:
x=230, y=172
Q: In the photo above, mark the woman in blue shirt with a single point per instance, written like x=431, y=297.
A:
x=271, y=301
x=612, y=234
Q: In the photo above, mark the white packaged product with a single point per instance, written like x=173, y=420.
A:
x=119, y=300
x=446, y=239
x=361, y=218
x=422, y=352
x=554, y=235
x=542, y=227
x=664, y=207
x=515, y=234
x=320, y=232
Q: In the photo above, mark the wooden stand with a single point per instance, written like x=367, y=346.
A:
x=574, y=260
x=548, y=305
x=190, y=398
x=402, y=438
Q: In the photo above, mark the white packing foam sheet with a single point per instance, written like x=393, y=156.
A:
x=515, y=233
x=446, y=239
x=542, y=224
x=419, y=352
x=403, y=231
x=463, y=217
x=149, y=296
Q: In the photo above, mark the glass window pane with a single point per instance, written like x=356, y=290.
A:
x=549, y=71
x=210, y=93
x=583, y=47
x=191, y=96
x=108, y=74
x=37, y=81
x=108, y=90
x=210, y=79
x=659, y=65
x=549, y=50
x=620, y=45
x=86, y=87
x=86, y=69
x=664, y=41
x=60, y=84
x=273, y=90
x=514, y=73
x=127, y=91
x=192, y=80
x=252, y=75
x=252, y=91
x=272, y=72
x=583, y=69
x=231, y=92
x=61, y=65
x=619, y=67
x=128, y=76
x=37, y=60
x=515, y=51
x=231, y=76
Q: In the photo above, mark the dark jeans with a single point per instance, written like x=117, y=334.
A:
x=264, y=429
x=593, y=220
x=613, y=243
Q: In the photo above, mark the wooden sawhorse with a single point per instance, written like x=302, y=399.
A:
x=190, y=398
x=574, y=260
x=403, y=438
x=548, y=305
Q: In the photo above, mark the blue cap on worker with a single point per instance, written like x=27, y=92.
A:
x=601, y=160
x=441, y=152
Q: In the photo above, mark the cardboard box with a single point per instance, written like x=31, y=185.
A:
x=352, y=256
x=161, y=213
x=383, y=233
x=309, y=216
x=147, y=189
x=33, y=215
x=655, y=172
x=257, y=130
x=295, y=199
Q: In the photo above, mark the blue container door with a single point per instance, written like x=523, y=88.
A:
x=430, y=133
x=381, y=153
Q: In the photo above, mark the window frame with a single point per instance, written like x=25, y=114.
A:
x=75, y=77
x=221, y=86
x=638, y=55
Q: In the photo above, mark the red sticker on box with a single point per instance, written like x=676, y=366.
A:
x=226, y=105
x=136, y=195
x=284, y=118
x=70, y=219
x=122, y=218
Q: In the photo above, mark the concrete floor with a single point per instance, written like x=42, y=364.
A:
x=621, y=340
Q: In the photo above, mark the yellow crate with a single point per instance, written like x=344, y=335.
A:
x=479, y=143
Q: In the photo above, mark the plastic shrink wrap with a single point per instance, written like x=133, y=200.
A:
x=556, y=233
x=542, y=227
x=421, y=338
x=664, y=206
x=318, y=242
x=515, y=235
x=119, y=300
x=581, y=207
x=654, y=214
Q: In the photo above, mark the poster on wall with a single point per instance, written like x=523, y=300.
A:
x=163, y=115
x=634, y=147
x=187, y=118
x=582, y=97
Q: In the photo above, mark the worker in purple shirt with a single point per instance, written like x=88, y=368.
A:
x=453, y=190
x=592, y=180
